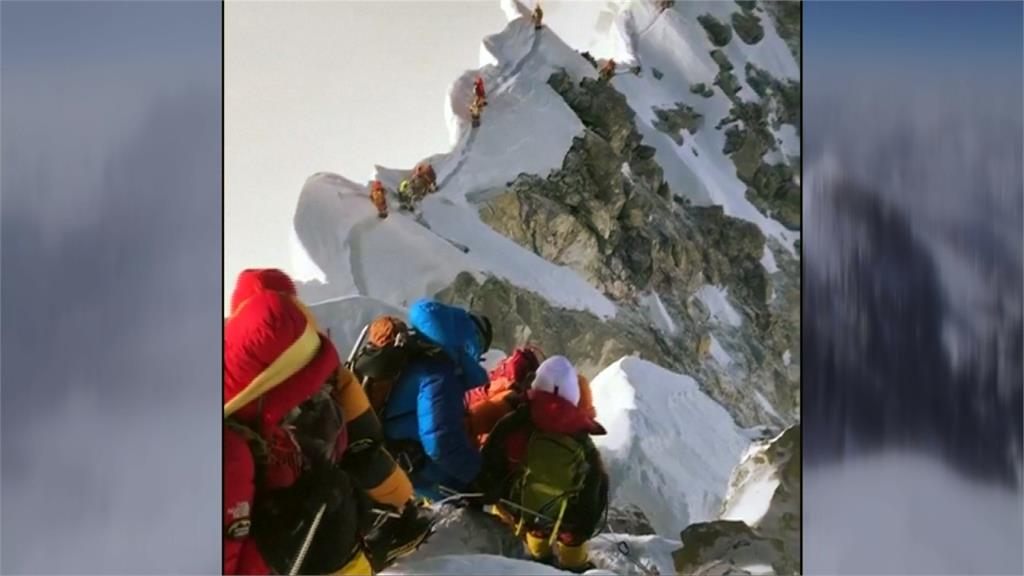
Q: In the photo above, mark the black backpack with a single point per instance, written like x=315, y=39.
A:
x=387, y=346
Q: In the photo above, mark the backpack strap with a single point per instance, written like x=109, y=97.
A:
x=257, y=446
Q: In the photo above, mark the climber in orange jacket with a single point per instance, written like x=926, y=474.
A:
x=607, y=70
x=379, y=199
x=509, y=382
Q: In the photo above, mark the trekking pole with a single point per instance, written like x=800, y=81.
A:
x=358, y=345
x=309, y=540
x=455, y=495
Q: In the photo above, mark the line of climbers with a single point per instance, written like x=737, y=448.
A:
x=329, y=465
x=423, y=180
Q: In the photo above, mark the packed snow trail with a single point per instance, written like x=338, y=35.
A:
x=355, y=260
x=503, y=80
x=462, y=157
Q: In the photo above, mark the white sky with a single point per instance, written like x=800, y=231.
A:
x=331, y=86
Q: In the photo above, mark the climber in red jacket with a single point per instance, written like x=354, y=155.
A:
x=300, y=435
x=478, y=91
x=275, y=361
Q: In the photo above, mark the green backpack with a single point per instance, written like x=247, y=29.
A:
x=553, y=474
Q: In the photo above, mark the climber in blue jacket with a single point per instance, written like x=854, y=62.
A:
x=424, y=419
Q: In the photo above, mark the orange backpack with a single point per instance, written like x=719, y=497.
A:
x=379, y=361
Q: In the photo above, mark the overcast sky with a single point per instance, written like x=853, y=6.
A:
x=111, y=256
x=331, y=86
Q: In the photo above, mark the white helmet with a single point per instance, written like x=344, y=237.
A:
x=556, y=375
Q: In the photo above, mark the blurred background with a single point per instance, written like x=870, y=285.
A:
x=110, y=287
x=912, y=370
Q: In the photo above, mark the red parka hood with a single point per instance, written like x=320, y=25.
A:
x=274, y=356
x=552, y=413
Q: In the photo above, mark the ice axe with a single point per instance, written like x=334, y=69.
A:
x=455, y=495
x=309, y=540
x=356, y=347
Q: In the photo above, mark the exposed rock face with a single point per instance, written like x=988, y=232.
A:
x=760, y=520
x=629, y=520
x=772, y=185
x=728, y=547
x=764, y=491
x=747, y=26
x=673, y=121
x=787, y=17
x=519, y=316
x=609, y=215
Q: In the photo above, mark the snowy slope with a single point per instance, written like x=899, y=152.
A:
x=528, y=128
x=670, y=448
x=677, y=45
x=471, y=542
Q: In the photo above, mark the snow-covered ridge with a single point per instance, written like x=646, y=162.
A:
x=528, y=128
x=676, y=44
x=670, y=448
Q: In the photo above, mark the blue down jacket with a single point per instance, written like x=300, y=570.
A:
x=426, y=404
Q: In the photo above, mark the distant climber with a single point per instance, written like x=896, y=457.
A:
x=537, y=17
x=479, y=94
x=543, y=473
x=302, y=435
x=379, y=199
x=422, y=182
x=405, y=196
x=608, y=70
x=474, y=113
x=417, y=375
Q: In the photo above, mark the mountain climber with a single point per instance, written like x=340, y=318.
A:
x=542, y=471
x=537, y=17
x=509, y=380
x=404, y=196
x=426, y=172
x=424, y=413
x=275, y=360
x=474, y=113
x=479, y=94
x=379, y=199
x=607, y=70
x=422, y=182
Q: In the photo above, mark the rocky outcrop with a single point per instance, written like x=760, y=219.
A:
x=718, y=32
x=629, y=520
x=772, y=185
x=760, y=520
x=519, y=316
x=747, y=26
x=673, y=121
x=764, y=490
x=608, y=214
x=787, y=17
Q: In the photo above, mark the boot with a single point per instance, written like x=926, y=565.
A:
x=397, y=537
x=574, y=558
x=539, y=549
